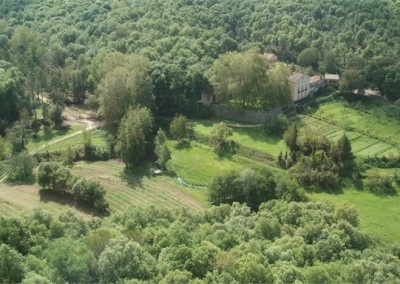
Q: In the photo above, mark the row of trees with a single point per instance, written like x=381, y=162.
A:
x=282, y=242
x=52, y=175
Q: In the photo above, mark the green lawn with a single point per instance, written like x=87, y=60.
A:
x=52, y=134
x=251, y=137
x=198, y=164
x=98, y=138
x=379, y=215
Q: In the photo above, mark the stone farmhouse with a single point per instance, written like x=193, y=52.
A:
x=299, y=86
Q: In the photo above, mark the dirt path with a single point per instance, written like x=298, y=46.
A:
x=230, y=124
x=71, y=116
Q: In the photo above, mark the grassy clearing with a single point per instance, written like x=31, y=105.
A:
x=138, y=188
x=52, y=134
x=123, y=191
x=16, y=199
x=199, y=164
x=98, y=139
x=379, y=215
x=251, y=137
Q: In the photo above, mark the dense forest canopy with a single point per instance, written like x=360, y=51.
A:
x=55, y=43
x=283, y=242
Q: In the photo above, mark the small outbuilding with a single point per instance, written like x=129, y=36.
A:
x=332, y=79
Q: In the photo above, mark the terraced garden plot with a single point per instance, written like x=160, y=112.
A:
x=362, y=144
x=136, y=188
x=372, y=120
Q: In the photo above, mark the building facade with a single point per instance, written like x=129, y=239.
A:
x=299, y=86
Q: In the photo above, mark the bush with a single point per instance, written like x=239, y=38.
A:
x=379, y=184
x=253, y=187
x=277, y=125
x=21, y=167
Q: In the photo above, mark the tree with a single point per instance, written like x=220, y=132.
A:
x=352, y=80
x=391, y=84
x=203, y=259
x=276, y=125
x=133, y=135
x=330, y=64
x=308, y=57
x=12, y=95
x=219, y=137
x=46, y=173
x=344, y=147
x=125, y=259
x=180, y=128
x=343, y=156
x=21, y=166
x=11, y=265
x=161, y=149
x=239, y=76
x=17, y=136
x=249, y=186
x=55, y=115
x=60, y=180
x=348, y=213
x=290, y=136
x=126, y=84
x=68, y=155
x=277, y=91
x=251, y=269
x=3, y=153
x=72, y=259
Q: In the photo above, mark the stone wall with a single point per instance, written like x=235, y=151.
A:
x=242, y=115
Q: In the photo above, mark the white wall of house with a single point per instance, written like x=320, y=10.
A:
x=300, y=87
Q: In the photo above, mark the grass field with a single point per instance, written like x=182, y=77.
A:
x=16, y=199
x=138, y=188
x=251, y=137
x=47, y=136
x=98, y=138
x=379, y=215
x=199, y=164
x=123, y=191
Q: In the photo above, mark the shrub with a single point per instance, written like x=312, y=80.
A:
x=277, y=125
x=379, y=184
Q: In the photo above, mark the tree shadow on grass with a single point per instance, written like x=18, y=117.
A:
x=48, y=195
x=49, y=134
x=315, y=189
x=134, y=177
x=183, y=145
